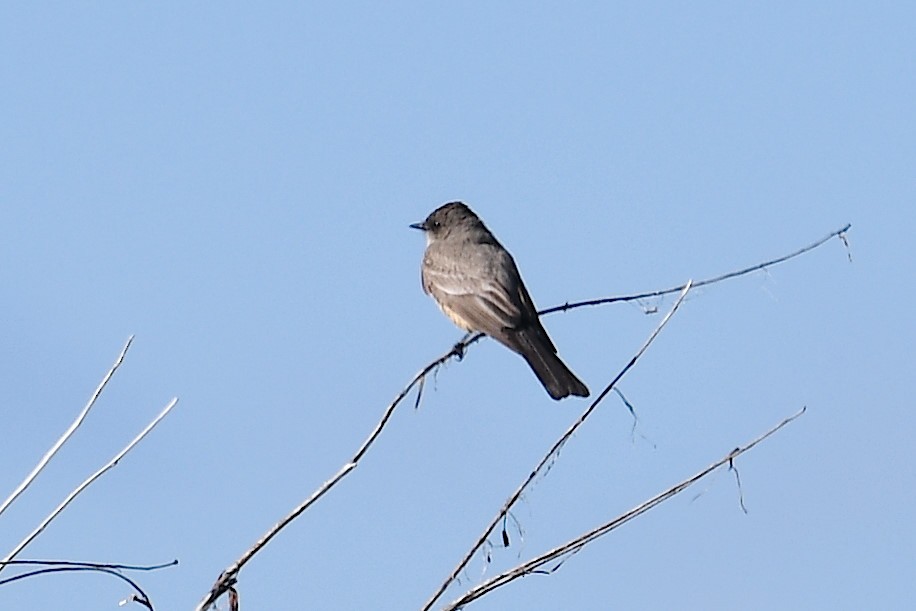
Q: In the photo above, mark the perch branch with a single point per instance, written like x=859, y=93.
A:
x=228, y=578
x=839, y=233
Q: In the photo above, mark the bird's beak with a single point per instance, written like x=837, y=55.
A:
x=420, y=226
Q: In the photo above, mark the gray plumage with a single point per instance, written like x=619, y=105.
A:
x=477, y=285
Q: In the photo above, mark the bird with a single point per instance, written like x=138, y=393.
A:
x=476, y=283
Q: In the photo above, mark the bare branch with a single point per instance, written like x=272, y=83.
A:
x=102, y=565
x=68, y=433
x=553, y=452
x=228, y=578
x=66, y=566
x=86, y=483
x=575, y=545
x=840, y=233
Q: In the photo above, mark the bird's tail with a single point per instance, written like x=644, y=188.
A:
x=537, y=349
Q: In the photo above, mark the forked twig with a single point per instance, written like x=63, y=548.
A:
x=571, y=547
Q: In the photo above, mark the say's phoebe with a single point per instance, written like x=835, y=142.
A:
x=476, y=283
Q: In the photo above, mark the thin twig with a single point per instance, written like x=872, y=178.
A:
x=87, y=482
x=63, y=438
x=65, y=566
x=100, y=565
x=734, y=469
x=551, y=454
x=840, y=233
x=140, y=597
x=575, y=545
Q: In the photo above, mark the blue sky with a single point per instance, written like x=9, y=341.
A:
x=233, y=184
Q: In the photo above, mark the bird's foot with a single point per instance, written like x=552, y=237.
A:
x=458, y=349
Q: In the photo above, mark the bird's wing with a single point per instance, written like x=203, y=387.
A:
x=486, y=302
x=485, y=308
